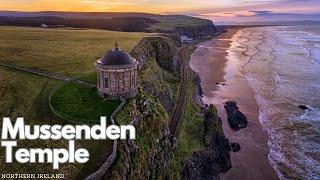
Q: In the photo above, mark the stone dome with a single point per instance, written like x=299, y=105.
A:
x=117, y=74
x=116, y=57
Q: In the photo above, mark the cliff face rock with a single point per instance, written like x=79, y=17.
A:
x=165, y=97
x=159, y=48
x=236, y=119
x=159, y=68
x=215, y=158
x=197, y=31
x=174, y=37
x=159, y=163
x=147, y=156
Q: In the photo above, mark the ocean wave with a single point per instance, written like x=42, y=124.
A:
x=294, y=139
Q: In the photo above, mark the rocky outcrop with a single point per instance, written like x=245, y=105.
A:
x=197, y=31
x=215, y=158
x=236, y=119
x=194, y=31
x=159, y=48
x=235, y=147
x=198, y=92
x=303, y=107
x=160, y=156
x=146, y=157
x=175, y=37
x=159, y=65
x=165, y=97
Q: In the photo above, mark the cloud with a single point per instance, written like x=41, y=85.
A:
x=296, y=6
x=236, y=9
x=257, y=2
x=296, y=16
x=114, y=2
x=263, y=10
x=270, y=1
x=260, y=16
x=230, y=14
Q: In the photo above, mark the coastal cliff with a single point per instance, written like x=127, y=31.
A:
x=116, y=21
x=215, y=157
x=159, y=48
x=203, y=151
x=197, y=31
x=184, y=25
x=159, y=66
x=153, y=155
x=148, y=157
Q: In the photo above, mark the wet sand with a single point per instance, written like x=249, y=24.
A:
x=215, y=64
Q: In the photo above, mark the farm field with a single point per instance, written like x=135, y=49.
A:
x=69, y=52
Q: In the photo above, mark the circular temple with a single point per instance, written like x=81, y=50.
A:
x=117, y=75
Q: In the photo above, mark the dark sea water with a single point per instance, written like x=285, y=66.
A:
x=282, y=66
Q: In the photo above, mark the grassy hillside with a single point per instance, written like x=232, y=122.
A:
x=103, y=20
x=60, y=51
x=73, y=52
x=170, y=22
x=148, y=158
x=192, y=130
x=26, y=95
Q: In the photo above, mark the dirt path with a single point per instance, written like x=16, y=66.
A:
x=46, y=74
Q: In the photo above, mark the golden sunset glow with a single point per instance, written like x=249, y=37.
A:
x=93, y=6
x=224, y=10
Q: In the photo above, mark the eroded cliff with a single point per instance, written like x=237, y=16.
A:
x=159, y=66
x=148, y=156
x=215, y=157
x=153, y=155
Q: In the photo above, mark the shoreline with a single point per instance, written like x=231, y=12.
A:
x=251, y=162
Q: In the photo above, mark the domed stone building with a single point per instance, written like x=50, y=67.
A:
x=117, y=75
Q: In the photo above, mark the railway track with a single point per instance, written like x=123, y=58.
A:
x=177, y=117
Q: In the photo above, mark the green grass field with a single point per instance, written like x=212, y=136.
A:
x=170, y=22
x=22, y=94
x=61, y=51
x=66, y=52
x=26, y=95
x=82, y=104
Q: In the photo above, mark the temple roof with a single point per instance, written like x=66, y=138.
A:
x=116, y=57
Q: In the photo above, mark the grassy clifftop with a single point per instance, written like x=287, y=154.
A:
x=170, y=22
x=26, y=95
x=73, y=52
x=130, y=22
x=159, y=66
x=60, y=51
x=148, y=156
x=137, y=159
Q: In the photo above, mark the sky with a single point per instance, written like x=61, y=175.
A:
x=219, y=11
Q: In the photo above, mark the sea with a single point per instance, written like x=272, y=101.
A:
x=281, y=65
x=283, y=70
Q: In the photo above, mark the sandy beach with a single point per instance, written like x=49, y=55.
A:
x=221, y=81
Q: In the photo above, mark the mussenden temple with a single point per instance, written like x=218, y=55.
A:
x=117, y=75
